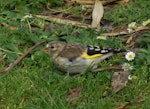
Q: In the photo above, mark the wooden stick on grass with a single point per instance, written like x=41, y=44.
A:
x=107, y=68
x=11, y=65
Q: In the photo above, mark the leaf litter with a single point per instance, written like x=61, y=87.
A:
x=119, y=80
x=97, y=14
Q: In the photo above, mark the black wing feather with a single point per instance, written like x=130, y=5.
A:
x=100, y=50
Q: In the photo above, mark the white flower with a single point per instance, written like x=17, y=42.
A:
x=22, y=19
x=130, y=56
x=132, y=77
x=102, y=37
x=83, y=7
x=26, y=16
x=131, y=27
x=130, y=30
x=126, y=67
x=146, y=22
x=129, y=77
x=30, y=16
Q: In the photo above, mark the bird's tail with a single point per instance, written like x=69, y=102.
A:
x=119, y=50
x=92, y=50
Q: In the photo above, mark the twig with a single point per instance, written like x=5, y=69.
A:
x=140, y=28
x=63, y=21
x=106, y=68
x=11, y=65
x=91, y=2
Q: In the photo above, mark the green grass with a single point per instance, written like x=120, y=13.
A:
x=35, y=83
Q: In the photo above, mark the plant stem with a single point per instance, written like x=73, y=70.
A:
x=30, y=29
x=10, y=51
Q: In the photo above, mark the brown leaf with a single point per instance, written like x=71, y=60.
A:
x=119, y=80
x=97, y=14
x=73, y=95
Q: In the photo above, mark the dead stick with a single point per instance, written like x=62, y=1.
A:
x=11, y=65
x=140, y=28
x=106, y=68
x=91, y=2
x=63, y=21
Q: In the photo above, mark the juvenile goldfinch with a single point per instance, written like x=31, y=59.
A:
x=75, y=57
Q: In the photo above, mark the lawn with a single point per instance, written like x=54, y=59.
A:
x=36, y=83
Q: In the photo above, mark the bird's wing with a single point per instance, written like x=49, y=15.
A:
x=73, y=51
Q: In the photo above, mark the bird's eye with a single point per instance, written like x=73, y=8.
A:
x=52, y=47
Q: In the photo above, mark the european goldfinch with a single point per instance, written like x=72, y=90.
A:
x=75, y=57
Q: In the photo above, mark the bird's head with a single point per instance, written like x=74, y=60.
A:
x=53, y=48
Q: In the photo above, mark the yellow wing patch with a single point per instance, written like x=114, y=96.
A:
x=85, y=55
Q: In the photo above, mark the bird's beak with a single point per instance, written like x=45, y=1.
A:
x=45, y=50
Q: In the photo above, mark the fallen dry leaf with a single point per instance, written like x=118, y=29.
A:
x=119, y=80
x=73, y=95
x=97, y=14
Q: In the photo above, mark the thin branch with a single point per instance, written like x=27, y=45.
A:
x=11, y=65
x=125, y=32
x=106, y=68
x=91, y=2
x=63, y=21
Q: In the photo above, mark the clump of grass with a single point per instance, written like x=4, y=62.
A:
x=123, y=15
